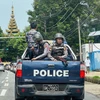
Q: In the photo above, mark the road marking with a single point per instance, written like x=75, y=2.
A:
x=6, y=84
x=2, y=82
x=3, y=92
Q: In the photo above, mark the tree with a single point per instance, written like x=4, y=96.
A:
x=1, y=31
x=26, y=29
x=13, y=48
x=61, y=16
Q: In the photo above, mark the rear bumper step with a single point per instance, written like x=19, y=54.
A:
x=33, y=90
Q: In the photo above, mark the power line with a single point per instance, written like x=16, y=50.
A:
x=60, y=19
x=65, y=18
x=62, y=16
x=81, y=24
x=69, y=35
x=71, y=12
x=56, y=14
x=57, y=22
x=75, y=29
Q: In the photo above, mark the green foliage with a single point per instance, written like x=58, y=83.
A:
x=96, y=77
x=26, y=29
x=13, y=48
x=55, y=16
x=1, y=31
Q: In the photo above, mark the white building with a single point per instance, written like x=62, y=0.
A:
x=90, y=47
x=86, y=48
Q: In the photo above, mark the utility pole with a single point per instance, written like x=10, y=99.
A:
x=45, y=27
x=79, y=35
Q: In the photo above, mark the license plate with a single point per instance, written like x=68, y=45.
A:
x=51, y=87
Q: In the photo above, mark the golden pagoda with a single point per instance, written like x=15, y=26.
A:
x=12, y=27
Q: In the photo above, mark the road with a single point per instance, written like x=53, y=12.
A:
x=7, y=87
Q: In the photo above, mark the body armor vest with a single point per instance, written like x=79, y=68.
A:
x=57, y=50
x=39, y=49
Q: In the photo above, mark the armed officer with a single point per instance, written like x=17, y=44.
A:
x=58, y=49
x=41, y=48
x=30, y=38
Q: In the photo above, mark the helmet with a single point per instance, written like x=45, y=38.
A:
x=38, y=37
x=59, y=35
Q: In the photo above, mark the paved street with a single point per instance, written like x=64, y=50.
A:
x=92, y=88
x=7, y=87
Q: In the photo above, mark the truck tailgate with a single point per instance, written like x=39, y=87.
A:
x=50, y=72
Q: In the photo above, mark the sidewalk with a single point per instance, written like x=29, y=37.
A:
x=92, y=74
x=92, y=88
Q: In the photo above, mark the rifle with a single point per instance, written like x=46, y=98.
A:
x=64, y=61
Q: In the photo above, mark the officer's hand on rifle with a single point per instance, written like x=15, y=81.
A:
x=59, y=57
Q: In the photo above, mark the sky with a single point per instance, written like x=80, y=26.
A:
x=20, y=10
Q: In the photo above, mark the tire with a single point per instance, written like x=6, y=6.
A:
x=73, y=98
x=77, y=99
x=17, y=97
x=30, y=98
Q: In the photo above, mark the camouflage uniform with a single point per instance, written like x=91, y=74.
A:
x=30, y=37
x=30, y=41
x=57, y=50
x=42, y=48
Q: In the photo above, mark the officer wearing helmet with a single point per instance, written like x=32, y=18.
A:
x=30, y=38
x=41, y=48
x=58, y=49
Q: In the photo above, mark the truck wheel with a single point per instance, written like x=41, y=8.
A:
x=76, y=98
x=17, y=97
x=30, y=98
x=79, y=98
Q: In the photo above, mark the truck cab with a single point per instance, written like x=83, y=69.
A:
x=50, y=79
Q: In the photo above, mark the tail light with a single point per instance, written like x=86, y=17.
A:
x=19, y=70
x=82, y=71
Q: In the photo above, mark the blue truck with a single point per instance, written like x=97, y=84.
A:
x=47, y=79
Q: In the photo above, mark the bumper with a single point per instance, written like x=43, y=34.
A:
x=31, y=90
x=2, y=69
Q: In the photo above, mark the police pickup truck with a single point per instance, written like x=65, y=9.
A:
x=50, y=79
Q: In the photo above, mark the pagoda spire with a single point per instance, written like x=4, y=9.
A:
x=12, y=27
